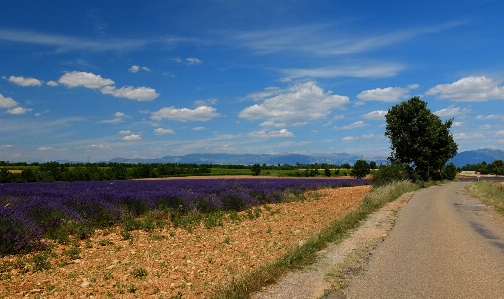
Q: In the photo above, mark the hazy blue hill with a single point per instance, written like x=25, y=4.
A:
x=477, y=156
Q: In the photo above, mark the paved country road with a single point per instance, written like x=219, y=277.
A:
x=445, y=244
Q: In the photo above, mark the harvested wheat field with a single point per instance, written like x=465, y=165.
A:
x=174, y=262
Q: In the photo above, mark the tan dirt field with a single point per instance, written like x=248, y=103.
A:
x=172, y=262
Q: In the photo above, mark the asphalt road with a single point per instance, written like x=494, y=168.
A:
x=445, y=244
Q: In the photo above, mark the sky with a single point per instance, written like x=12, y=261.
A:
x=95, y=80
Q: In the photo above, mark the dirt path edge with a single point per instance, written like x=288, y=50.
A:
x=339, y=262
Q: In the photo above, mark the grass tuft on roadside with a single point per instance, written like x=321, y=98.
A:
x=306, y=254
x=490, y=193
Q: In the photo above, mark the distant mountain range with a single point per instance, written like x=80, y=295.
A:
x=461, y=159
x=477, y=156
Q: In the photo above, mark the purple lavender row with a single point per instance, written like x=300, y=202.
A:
x=29, y=211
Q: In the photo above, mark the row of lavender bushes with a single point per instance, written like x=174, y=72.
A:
x=30, y=212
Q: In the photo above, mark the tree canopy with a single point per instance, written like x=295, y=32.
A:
x=419, y=138
x=361, y=169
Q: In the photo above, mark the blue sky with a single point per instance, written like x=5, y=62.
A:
x=102, y=79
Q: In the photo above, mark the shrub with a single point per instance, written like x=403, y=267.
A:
x=390, y=173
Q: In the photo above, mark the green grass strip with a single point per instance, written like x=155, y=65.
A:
x=306, y=254
x=490, y=193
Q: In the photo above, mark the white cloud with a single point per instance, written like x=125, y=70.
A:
x=89, y=80
x=6, y=102
x=491, y=116
x=19, y=110
x=349, y=138
x=464, y=136
x=46, y=148
x=389, y=94
x=368, y=136
x=52, y=83
x=124, y=132
x=457, y=124
x=132, y=137
x=199, y=128
x=208, y=102
x=6, y=146
x=136, y=68
x=272, y=124
x=357, y=124
x=177, y=59
x=268, y=92
x=144, y=112
x=201, y=113
x=129, y=92
x=65, y=43
x=452, y=111
x=119, y=114
x=272, y=134
x=484, y=127
x=161, y=131
x=378, y=114
x=470, y=89
x=500, y=134
x=378, y=71
x=193, y=61
x=22, y=81
x=301, y=103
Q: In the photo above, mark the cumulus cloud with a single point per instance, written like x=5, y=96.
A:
x=52, y=83
x=484, y=127
x=272, y=124
x=464, y=136
x=177, y=59
x=201, y=113
x=388, y=94
x=378, y=114
x=500, y=134
x=161, y=131
x=301, y=103
x=6, y=146
x=452, y=111
x=193, y=61
x=132, y=137
x=136, y=68
x=491, y=116
x=357, y=124
x=349, y=138
x=457, y=124
x=208, y=102
x=22, y=81
x=267, y=92
x=124, y=132
x=7, y=102
x=46, y=148
x=19, y=110
x=470, y=89
x=199, y=128
x=89, y=80
x=132, y=93
x=272, y=134
x=119, y=114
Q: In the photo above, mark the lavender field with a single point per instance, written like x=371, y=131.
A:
x=30, y=212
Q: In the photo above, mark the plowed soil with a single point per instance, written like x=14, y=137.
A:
x=176, y=262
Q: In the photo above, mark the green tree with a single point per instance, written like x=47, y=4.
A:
x=256, y=169
x=419, y=138
x=360, y=169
